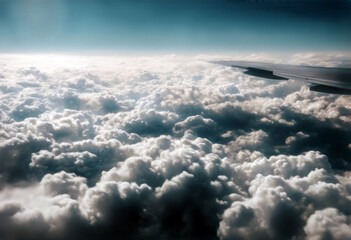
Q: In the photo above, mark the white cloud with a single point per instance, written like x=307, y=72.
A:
x=328, y=223
x=169, y=147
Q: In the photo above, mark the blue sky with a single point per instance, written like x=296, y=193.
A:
x=174, y=25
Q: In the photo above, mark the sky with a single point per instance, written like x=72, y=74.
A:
x=174, y=25
x=156, y=143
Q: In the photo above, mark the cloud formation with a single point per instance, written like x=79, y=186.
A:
x=169, y=148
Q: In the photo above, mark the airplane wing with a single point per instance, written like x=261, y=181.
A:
x=322, y=79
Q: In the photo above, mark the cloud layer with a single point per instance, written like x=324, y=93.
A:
x=169, y=148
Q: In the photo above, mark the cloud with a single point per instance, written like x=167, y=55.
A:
x=328, y=223
x=169, y=147
x=64, y=183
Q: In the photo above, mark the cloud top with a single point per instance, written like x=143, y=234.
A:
x=171, y=148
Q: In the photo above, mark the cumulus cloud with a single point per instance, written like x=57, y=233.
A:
x=328, y=223
x=169, y=148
